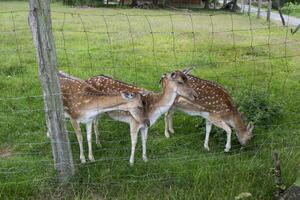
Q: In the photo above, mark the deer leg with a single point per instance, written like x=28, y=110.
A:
x=144, y=136
x=169, y=123
x=79, y=139
x=89, y=139
x=96, y=130
x=221, y=124
x=133, y=134
x=170, y=120
x=208, y=129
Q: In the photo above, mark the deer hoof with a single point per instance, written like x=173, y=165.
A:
x=167, y=134
x=226, y=150
x=83, y=160
x=172, y=130
x=145, y=159
x=206, y=147
x=91, y=158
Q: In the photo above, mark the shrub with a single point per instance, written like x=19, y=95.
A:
x=93, y=3
x=291, y=9
x=259, y=108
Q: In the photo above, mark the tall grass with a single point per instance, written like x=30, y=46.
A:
x=259, y=67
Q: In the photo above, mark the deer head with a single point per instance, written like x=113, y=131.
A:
x=177, y=81
x=136, y=107
x=245, y=135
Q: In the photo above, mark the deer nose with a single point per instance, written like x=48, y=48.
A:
x=147, y=122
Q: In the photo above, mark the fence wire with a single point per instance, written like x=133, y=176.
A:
x=257, y=61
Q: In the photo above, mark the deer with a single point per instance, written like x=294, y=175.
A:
x=214, y=104
x=83, y=103
x=155, y=104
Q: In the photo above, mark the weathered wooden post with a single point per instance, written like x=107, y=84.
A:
x=41, y=27
x=269, y=10
x=258, y=8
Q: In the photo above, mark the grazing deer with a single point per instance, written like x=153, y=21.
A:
x=216, y=106
x=82, y=103
x=156, y=104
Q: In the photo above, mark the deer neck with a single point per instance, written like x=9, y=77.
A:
x=107, y=103
x=238, y=123
x=160, y=103
x=92, y=106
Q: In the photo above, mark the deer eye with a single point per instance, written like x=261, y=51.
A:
x=180, y=82
x=140, y=107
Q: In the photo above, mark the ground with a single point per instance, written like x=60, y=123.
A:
x=257, y=62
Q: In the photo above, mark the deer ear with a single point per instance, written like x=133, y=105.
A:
x=243, y=116
x=187, y=70
x=128, y=95
x=173, y=75
x=144, y=93
x=250, y=127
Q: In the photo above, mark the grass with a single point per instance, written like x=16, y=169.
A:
x=260, y=68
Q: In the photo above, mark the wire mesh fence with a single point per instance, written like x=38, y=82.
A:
x=255, y=60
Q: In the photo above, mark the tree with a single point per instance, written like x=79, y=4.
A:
x=134, y=3
x=206, y=4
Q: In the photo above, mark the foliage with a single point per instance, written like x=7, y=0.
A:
x=259, y=108
x=292, y=9
x=92, y=3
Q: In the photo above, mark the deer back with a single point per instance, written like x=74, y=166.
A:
x=110, y=85
x=77, y=94
x=211, y=97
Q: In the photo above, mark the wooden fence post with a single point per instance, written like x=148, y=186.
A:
x=258, y=8
x=41, y=27
x=269, y=10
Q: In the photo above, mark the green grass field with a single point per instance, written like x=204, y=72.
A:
x=259, y=64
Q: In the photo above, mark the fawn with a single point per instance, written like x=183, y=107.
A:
x=156, y=104
x=82, y=103
x=215, y=105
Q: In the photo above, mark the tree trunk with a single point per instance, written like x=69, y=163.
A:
x=258, y=8
x=133, y=3
x=234, y=8
x=280, y=12
x=243, y=6
x=206, y=4
x=249, y=7
x=269, y=10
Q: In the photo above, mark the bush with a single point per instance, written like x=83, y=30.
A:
x=93, y=3
x=259, y=108
x=291, y=9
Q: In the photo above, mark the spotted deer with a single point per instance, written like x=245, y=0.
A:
x=215, y=105
x=156, y=104
x=82, y=103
